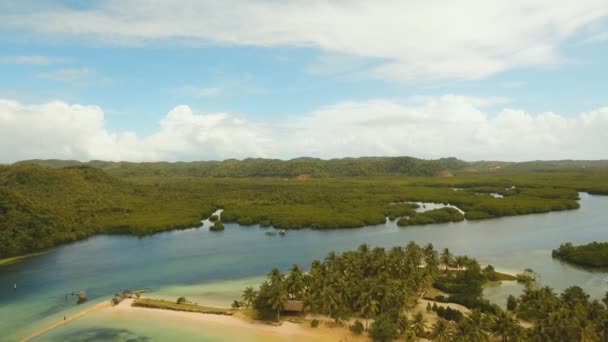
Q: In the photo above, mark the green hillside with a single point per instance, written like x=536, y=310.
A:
x=42, y=206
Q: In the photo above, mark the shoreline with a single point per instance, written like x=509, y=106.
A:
x=18, y=258
x=239, y=321
x=96, y=307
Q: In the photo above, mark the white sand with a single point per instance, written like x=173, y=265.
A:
x=287, y=331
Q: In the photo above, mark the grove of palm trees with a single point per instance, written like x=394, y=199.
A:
x=380, y=288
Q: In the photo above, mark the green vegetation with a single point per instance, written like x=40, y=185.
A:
x=357, y=328
x=346, y=167
x=448, y=313
x=217, y=226
x=375, y=284
x=594, y=254
x=42, y=206
x=441, y=215
x=180, y=306
x=571, y=316
x=384, y=286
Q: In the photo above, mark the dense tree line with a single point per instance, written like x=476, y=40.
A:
x=345, y=167
x=594, y=254
x=381, y=287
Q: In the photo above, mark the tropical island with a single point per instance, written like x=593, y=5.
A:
x=410, y=293
x=387, y=287
x=594, y=254
x=47, y=203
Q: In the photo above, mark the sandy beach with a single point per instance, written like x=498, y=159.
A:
x=287, y=331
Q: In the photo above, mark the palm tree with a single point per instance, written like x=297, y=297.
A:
x=419, y=324
x=330, y=300
x=480, y=322
x=278, y=299
x=602, y=327
x=442, y=331
x=295, y=282
x=472, y=329
x=368, y=305
x=446, y=258
x=275, y=277
x=505, y=326
x=460, y=261
x=249, y=296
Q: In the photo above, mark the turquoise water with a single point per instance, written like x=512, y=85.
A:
x=213, y=267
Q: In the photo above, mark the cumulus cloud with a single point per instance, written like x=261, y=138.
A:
x=428, y=127
x=410, y=40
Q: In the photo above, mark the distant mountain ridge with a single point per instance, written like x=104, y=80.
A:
x=314, y=167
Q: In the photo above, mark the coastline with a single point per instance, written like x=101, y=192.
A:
x=100, y=306
x=238, y=323
x=19, y=258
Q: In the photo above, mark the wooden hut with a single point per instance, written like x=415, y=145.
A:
x=294, y=306
x=82, y=297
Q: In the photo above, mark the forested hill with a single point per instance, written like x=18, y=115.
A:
x=255, y=167
x=318, y=168
x=43, y=206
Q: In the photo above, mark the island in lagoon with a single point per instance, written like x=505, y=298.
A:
x=594, y=254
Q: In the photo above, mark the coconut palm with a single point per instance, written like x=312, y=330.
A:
x=275, y=276
x=368, y=305
x=442, y=331
x=249, y=296
x=472, y=329
x=278, y=299
x=418, y=324
x=446, y=258
x=295, y=282
x=460, y=261
x=330, y=298
x=505, y=326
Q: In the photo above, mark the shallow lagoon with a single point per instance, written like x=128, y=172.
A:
x=213, y=267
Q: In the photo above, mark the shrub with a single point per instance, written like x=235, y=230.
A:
x=357, y=328
x=213, y=218
x=449, y=314
x=314, y=323
x=511, y=303
x=383, y=329
x=181, y=300
x=217, y=226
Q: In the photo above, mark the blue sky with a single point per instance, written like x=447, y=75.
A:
x=138, y=61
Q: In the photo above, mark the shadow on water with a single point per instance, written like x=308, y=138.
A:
x=102, y=334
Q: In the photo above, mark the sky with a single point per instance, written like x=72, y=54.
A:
x=149, y=80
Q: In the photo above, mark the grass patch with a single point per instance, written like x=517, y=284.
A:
x=167, y=305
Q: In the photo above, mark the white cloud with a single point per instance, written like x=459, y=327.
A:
x=429, y=127
x=210, y=92
x=73, y=75
x=513, y=84
x=600, y=37
x=33, y=60
x=412, y=40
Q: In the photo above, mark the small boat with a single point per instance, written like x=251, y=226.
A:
x=282, y=232
x=271, y=233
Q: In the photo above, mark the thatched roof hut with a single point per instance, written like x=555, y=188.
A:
x=294, y=306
